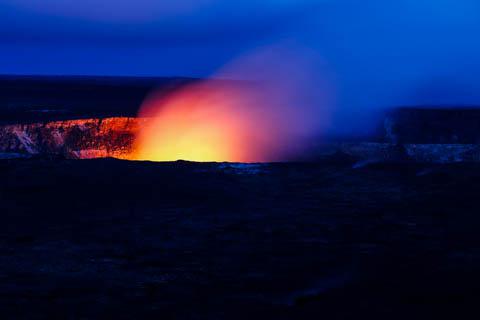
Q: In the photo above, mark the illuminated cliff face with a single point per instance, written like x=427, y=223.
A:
x=76, y=139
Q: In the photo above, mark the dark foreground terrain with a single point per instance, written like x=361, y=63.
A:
x=118, y=239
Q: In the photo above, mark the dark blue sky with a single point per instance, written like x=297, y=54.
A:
x=380, y=52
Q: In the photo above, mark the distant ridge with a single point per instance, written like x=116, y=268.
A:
x=30, y=98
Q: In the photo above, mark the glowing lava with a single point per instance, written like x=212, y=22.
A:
x=210, y=121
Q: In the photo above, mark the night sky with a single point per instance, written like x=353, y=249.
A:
x=379, y=53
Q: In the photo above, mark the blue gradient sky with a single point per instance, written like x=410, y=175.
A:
x=380, y=52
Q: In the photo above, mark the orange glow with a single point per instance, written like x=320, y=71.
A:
x=204, y=122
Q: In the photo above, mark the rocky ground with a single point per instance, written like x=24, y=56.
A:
x=118, y=239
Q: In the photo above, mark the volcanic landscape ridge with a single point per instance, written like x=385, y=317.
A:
x=96, y=117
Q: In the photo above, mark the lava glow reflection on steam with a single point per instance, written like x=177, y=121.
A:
x=263, y=120
x=204, y=122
